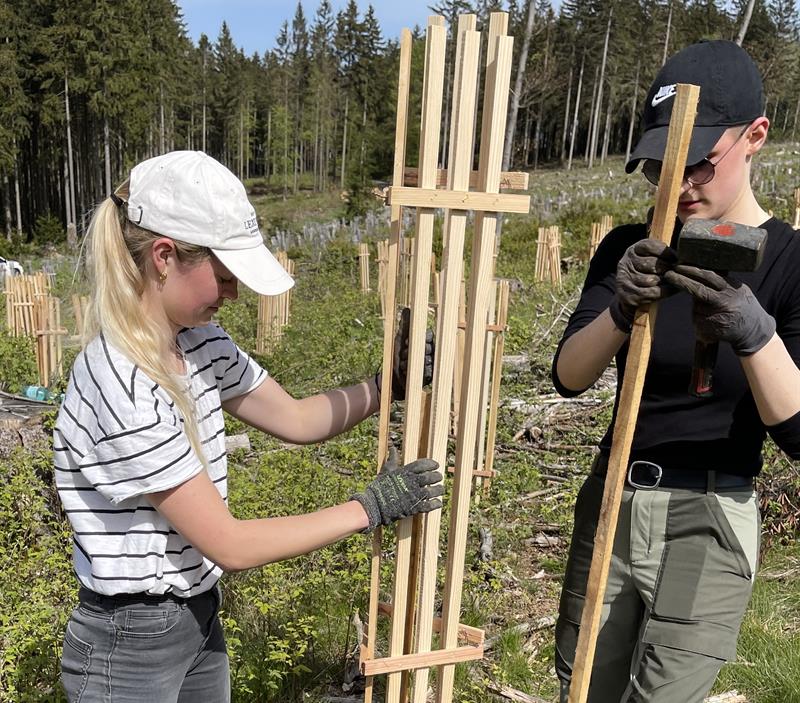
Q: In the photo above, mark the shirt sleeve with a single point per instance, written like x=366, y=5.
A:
x=598, y=289
x=235, y=371
x=146, y=458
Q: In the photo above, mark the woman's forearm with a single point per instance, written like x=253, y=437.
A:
x=263, y=541
x=774, y=381
x=330, y=413
x=588, y=352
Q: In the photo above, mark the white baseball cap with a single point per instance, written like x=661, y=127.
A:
x=191, y=197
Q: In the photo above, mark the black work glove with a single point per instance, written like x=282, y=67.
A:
x=724, y=310
x=400, y=365
x=401, y=491
x=640, y=279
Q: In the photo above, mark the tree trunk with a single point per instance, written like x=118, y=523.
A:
x=607, y=129
x=526, y=147
x=7, y=205
x=162, y=143
x=566, y=117
x=666, y=36
x=592, y=115
x=599, y=107
x=241, y=141
x=575, y=118
x=70, y=157
x=748, y=13
x=344, y=142
x=511, y=127
x=16, y=193
x=107, y=155
x=268, y=164
x=633, y=111
x=796, y=112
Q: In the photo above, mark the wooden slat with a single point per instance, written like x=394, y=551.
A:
x=497, y=374
x=462, y=147
x=392, y=252
x=509, y=180
x=471, y=635
x=433, y=87
x=498, y=74
x=454, y=200
x=680, y=132
x=408, y=662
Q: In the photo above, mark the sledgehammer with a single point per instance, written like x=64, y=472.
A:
x=722, y=247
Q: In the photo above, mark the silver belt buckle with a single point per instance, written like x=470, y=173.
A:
x=645, y=486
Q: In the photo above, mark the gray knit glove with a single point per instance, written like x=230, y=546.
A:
x=400, y=362
x=724, y=310
x=401, y=491
x=640, y=279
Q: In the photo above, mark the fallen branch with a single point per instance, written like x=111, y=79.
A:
x=522, y=628
x=512, y=694
x=729, y=697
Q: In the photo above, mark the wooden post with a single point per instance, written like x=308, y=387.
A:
x=382, y=257
x=433, y=84
x=363, y=265
x=459, y=366
x=497, y=374
x=483, y=402
x=462, y=147
x=554, y=256
x=680, y=130
x=498, y=75
x=392, y=253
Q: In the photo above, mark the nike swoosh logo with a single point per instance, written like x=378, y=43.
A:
x=658, y=99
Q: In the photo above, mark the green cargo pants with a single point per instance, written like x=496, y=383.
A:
x=681, y=576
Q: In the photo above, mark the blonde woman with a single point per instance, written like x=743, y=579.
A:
x=140, y=458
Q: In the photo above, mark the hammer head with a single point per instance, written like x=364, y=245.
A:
x=721, y=246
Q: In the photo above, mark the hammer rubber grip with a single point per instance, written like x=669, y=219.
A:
x=705, y=358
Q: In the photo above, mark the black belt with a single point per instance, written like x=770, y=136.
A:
x=87, y=595
x=647, y=475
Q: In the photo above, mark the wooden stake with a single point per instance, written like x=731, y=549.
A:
x=363, y=265
x=433, y=87
x=497, y=373
x=462, y=147
x=392, y=252
x=498, y=74
x=680, y=131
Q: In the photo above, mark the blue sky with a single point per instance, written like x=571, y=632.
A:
x=254, y=24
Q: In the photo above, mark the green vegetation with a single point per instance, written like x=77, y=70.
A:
x=290, y=626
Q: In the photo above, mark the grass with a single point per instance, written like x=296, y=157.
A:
x=290, y=626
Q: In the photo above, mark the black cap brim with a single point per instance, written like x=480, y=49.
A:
x=653, y=144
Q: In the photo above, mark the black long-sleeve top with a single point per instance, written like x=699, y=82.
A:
x=674, y=428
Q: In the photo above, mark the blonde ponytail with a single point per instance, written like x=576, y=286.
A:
x=118, y=253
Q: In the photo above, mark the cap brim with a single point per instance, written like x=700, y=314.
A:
x=257, y=268
x=653, y=144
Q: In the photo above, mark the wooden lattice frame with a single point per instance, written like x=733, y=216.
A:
x=413, y=588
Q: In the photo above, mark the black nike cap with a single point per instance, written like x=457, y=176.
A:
x=731, y=93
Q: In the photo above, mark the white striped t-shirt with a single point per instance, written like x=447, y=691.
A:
x=118, y=437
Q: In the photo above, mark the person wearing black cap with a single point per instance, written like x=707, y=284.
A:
x=686, y=547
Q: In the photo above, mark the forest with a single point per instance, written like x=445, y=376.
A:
x=91, y=87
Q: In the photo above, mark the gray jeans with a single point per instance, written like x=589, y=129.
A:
x=129, y=649
x=681, y=574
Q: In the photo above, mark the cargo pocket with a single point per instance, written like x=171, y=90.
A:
x=704, y=582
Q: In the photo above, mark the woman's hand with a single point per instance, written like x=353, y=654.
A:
x=641, y=279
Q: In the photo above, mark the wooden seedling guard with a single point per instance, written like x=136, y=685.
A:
x=680, y=131
x=414, y=585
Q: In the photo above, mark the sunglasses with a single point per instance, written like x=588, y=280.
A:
x=698, y=174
